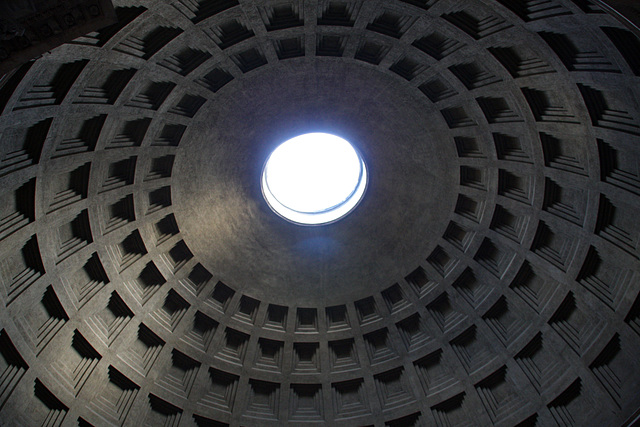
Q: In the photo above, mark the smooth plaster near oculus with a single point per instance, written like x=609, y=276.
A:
x=228, y=225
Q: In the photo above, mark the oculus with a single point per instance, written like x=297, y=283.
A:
x=314, y=179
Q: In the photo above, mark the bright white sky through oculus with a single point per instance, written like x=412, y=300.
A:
x=313, y=173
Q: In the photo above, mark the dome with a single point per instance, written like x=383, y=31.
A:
x=490, y=275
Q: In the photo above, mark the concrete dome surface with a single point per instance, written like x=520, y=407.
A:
x=489, y=276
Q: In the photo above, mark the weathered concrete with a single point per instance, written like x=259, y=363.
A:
x=489, y=277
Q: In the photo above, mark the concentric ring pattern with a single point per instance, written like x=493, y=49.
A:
x=521, y=303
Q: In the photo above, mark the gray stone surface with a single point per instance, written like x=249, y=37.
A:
x=490, y=276
x=225, y=223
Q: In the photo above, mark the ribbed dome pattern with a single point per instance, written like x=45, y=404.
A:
x=490, y=276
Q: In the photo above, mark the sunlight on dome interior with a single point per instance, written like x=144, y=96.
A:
x=314, y=178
